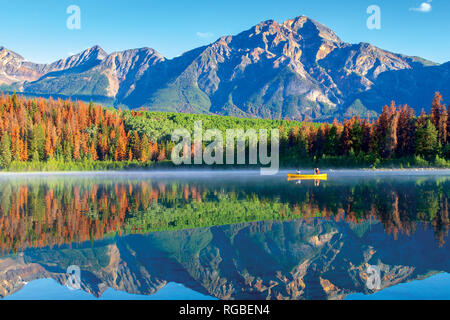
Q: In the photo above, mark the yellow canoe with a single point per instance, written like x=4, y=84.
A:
x=308, y=176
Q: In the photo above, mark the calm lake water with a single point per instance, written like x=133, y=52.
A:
x=225, y=235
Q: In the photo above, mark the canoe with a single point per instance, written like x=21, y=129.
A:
x=308, y=176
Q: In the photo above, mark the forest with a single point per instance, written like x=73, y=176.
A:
x=47, y=134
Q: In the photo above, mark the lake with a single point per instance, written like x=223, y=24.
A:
x=225, y=235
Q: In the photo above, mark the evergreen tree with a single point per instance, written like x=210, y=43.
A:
x=331, y=141
x=442, y=127
x=37, y=142
x=386, y=131
x=426, y=141
x=5, y=150
x=346, y=139
x=436, y=109
x=357, y=133
x=406, y=131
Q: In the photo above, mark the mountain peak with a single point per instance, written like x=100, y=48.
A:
x=143, y=49
x=301, y=27
x=4, y=52
x=95, y=51
x=86, y=59
x=267, y=22
x=308, y=28
x=264, y=26
x=96, y=47
x=15, y=69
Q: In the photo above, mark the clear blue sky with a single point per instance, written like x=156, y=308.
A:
x=37, y=29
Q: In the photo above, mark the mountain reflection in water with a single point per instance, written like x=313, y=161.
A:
x=244, y=237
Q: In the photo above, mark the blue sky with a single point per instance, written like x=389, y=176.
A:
x=37, y=29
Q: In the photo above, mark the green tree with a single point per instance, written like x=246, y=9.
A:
x=5, y=150
x=37, y=142
x=406, y=132
x=426, y=141
x=357, y=134
x=331, y=141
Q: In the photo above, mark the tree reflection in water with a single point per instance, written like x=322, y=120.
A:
x=53, y=212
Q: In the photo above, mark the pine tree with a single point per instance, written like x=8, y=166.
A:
x=357, y=133
x=331, y=140
x=386, y=131
x=448, y=126
x=135, y=145
x=442, y=127
x=5, y=150
x=346, y=138
x=366, y=139
x=162, y=155
x=426, y=141
x=406, y=131
x=93, y=152
x=144, y=157
x=77, y=147
x=16, y=148
x=436, y=109
x=37, y=142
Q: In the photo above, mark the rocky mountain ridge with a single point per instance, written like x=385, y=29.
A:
x=298, y=69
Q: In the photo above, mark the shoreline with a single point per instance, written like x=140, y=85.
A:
x=221, y=171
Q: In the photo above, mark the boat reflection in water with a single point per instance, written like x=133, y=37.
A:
x=242, y=237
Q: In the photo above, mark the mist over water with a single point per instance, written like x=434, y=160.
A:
x=214, y=173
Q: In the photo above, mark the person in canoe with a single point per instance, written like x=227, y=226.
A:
x=299, y=173
x=316, y=171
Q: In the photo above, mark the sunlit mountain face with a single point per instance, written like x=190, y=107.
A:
x=297, y=69
x=230, y=237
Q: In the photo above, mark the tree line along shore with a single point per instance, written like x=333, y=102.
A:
x=56, y=135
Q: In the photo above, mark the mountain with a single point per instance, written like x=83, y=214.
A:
x=94, y=73
x=296, y=69
x=415, y=87
x=14, y=68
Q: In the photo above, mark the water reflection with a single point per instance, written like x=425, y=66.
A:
x=51, y=212
x=230, y=238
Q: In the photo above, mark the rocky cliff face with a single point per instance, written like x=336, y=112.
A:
x=85, y=60
x=125, y=68
x=296, y=69
x=94, y=73
x=263, y=260
x=14, y=68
